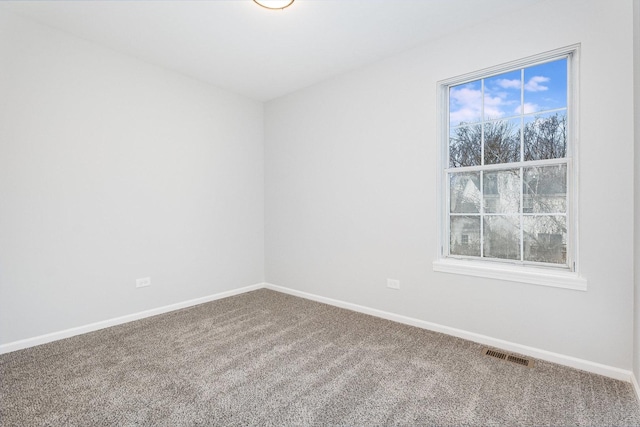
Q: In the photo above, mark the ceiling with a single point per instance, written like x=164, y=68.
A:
x=262, y=54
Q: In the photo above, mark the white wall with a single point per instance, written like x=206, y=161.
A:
x=110, y=170
x=351, y=191
x=636, y=91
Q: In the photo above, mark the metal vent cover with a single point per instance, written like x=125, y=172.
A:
x=508, y=357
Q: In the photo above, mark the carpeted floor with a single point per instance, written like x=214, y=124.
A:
x=266, y=358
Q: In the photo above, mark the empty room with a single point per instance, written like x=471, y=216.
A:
x=320, y=213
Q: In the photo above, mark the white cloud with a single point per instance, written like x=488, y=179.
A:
x=509, y=84
x=471, y=104
x=466, y=95
x=528, y=108
x=492, y=106
x=534, y=84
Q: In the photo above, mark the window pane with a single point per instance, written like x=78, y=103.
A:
x=545, y=239
x=502, y=237
x=545, y=136
x=465, y=235
x=545, y=189
x=464, y=146
x=465, y=192
x=465, y=103
x=507, y=176
x=545, y=86
x=502, y=141
x=502, y=95
x=502, y=191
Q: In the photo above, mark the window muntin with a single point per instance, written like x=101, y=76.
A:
x=507, y=166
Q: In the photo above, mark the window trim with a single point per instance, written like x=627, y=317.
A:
x=546, y=275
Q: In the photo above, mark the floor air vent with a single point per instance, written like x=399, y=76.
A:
x=494, y=353
x=508, y=357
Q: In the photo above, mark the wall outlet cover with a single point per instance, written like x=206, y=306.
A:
x=393, y=284
x=143, y=282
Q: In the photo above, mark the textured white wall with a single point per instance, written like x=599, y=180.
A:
x=111, y=170
x=350, y=178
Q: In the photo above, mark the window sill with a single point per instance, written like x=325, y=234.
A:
x=531, y=275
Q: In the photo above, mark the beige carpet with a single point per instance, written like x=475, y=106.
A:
x=265, y=358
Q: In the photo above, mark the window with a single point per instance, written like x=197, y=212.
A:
x=508, y=171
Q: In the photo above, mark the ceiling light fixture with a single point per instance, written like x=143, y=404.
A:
x=274, y=4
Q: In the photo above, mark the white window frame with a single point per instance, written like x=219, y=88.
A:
x=546, y=275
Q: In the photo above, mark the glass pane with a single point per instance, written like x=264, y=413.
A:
x=545, y=136
x=465, y=235
x=545, y=239
x=545, y=86
x=465, y=103
x=544, y=189
x=502, y=141
x=464, y=146
x=502, y=96
x=465, y=192
x=502, y=237
x=502, y=191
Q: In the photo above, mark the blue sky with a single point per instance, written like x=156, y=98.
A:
x=545, y=88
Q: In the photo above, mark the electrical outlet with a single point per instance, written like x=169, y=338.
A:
x=143, y=282
x=393, y=284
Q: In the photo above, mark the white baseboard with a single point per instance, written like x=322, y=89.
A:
x=54, y=336
x=636, y=387
x=561, y=359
